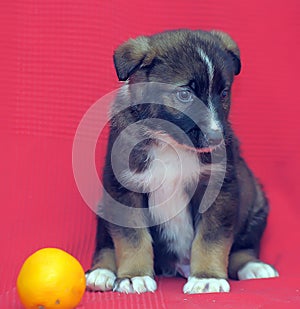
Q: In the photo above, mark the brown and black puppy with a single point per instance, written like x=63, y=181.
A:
x=169, y=136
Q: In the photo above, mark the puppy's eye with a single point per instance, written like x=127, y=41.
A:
x=184, y=96
x=224, y=93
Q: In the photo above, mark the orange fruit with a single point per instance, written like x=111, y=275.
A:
x=51, y=279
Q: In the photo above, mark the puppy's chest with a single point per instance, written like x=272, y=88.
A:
x=170, y=172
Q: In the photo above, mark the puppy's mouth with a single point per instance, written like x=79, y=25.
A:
x=202, y=142
x=209, y=149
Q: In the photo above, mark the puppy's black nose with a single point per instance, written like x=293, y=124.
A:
x=214, y=137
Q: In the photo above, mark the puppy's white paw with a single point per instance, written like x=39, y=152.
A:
x=136, y=285
x=100, y=280
x=205, y=285
x=257, y=270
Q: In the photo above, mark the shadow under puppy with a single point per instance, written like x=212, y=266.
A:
x=169, y=135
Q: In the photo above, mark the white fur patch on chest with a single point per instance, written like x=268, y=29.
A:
x=173, y=168
x=165, y=180
x=170, y=168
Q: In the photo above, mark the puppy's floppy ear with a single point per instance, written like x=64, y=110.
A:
x=229, y=45
x=131, y=56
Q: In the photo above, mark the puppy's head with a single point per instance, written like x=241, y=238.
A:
x=197, y=66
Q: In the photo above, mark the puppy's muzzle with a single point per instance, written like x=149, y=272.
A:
x=214, y=137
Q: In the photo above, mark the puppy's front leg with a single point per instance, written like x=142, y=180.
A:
x=210, y=253
x=134, y=258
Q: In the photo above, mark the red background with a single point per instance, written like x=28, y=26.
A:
x=57, y=61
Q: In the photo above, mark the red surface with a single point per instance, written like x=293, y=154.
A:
x=57, y=61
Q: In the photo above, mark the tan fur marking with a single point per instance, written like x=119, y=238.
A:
x=134, y=259
x=106, y=260
x=209, y=260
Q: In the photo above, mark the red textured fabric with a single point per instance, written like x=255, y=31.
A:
x=56, y=61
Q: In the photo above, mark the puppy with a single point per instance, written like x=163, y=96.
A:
x=169, y=136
